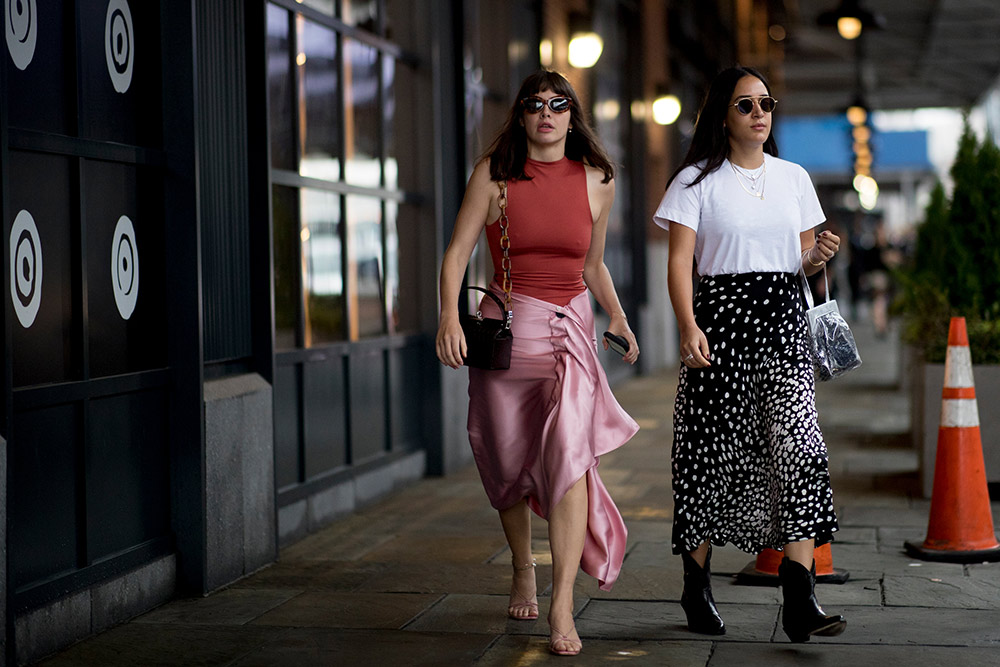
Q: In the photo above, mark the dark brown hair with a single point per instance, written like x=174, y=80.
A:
x=710, y=143
x=509, y=151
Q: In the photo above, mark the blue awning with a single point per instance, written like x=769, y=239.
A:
x=822, y=144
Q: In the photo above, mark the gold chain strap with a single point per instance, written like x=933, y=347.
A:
x=505, y=248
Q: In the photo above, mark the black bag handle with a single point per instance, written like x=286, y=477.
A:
x=500, y=305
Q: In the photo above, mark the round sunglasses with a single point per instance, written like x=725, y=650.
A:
x=745, y=106
x=534, y=104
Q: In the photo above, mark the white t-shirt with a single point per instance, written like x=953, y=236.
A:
x=737, y=232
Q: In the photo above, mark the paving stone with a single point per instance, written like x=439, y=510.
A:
x=853, y=535
x=860, y=515
x=636, y=583
x=826, y=655
x=328, y=575
x=985, y=572
x=532, y=650
x=349, y=610
x=448, y=578
x=166, y=645
x=611, y=619
x=949, y=592
x=856, y=557
x=648, y=530
x=650, y=554
x=926, y=626
x=449, y=549
x=323, y=646
x=229, y=607
x=483, y=614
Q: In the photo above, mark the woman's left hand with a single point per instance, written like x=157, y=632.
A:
x=827, y=245
x=619, y=327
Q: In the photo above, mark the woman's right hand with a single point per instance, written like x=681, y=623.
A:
x=694, y=348
x=450, y=341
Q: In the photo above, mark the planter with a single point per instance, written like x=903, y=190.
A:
x=927, y=381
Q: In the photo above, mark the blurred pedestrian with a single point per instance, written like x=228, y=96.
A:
x=749, y=463
x=538, y=429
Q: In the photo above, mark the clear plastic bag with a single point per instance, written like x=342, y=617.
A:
x=834, y=351
x=833, y=347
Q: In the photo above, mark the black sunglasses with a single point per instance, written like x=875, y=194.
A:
x=745, y=105
x=556, y=104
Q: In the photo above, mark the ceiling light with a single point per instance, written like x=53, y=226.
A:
x=585, y=45
x=849, y=27
x=850, y=18
x=666, y=109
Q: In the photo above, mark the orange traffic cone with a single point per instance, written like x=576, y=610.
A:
x=764, y=571
x=960, y=528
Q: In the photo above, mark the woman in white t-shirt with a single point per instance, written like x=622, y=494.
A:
x=749, y=462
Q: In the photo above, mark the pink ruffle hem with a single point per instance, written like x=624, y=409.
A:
x=540, y=426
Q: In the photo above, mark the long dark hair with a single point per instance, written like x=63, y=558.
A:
x=509, y=151
x=710, y=143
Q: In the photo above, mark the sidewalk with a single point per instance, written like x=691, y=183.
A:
x=422, y=577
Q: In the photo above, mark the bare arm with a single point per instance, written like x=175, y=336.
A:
x=477, y=205
x=595, y=271
x=680, y=265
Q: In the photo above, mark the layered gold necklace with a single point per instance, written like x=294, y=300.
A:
x=755, y=178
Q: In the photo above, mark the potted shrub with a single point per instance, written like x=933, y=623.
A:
x=955, y=271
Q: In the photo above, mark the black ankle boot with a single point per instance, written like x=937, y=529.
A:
x=802, y=615
x=697, y=600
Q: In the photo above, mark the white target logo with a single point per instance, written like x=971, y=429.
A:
x=21, y=22
x=118, y=46
x=124, y=267
x=25, y=268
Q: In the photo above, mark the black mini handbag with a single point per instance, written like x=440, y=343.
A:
x=488, y=341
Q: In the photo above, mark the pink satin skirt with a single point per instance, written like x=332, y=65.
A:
x=539, y=427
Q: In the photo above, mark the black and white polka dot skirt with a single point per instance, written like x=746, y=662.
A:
x=749, y=462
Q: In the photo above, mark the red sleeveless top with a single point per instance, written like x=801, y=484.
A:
x=550, y=228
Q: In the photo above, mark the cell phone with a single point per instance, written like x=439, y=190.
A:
x=616, y=343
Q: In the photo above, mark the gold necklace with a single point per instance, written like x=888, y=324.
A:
x=753, y=181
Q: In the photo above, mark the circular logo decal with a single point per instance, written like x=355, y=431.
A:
x=118, y=44
x=25, y=268
x=124, y=267
x=21, y=22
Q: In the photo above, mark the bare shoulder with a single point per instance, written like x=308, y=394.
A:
x=599, y=190
x=480, y=177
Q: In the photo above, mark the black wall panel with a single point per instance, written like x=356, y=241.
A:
x=324, y=422
x=127, y=472
x=222, y=158
x=44, y=498
x=368, y=409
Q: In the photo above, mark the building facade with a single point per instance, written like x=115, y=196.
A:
x=222, y=223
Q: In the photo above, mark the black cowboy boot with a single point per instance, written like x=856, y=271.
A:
x=802, y=615
x=697, y=600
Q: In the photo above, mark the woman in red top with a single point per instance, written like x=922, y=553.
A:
x=538, y=429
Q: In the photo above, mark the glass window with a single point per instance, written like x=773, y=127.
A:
x=320, y=131
x=322, y=268
x=120, y=85
x=279, y=84
x=391, y=166
x=361, y=114
x=364, y=268
x=361, y=13
x=43, y=252
x=392, y=265
x=41, y=68
x=328, y=7
x=285, y=206
x=126, y=300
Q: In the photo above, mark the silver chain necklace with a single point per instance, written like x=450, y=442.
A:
x=752, y=190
